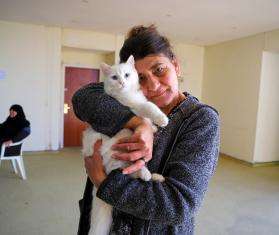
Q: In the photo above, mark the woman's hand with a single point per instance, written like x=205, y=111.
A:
x=137, y=148
x=94, y=165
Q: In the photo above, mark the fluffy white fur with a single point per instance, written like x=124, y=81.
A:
x=122, y=83
x=126, y=90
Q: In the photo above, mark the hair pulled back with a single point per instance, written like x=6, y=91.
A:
x=142, y=41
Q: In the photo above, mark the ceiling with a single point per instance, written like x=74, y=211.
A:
x=200, y=22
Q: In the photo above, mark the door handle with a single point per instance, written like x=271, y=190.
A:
x=66, y=108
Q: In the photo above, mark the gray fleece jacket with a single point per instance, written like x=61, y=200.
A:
x=185, y=152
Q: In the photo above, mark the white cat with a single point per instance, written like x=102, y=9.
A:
x=122, y=83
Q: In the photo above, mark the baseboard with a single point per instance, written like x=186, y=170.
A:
x=26, y=153
x=257, y=164
x=252, y=164
x=52, y=151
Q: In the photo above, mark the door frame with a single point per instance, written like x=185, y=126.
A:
x=63, y=72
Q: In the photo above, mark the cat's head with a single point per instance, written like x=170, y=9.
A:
x=120, y=77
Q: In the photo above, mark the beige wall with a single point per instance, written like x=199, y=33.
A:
x=90, y=40
x=110, y=58
x=231, y=84
x=267, y=134
x=272, y=41
x=30, y=56
x=34, y=56
x=85, y=58
x=85, y=39
x=225, y=75
x=119, y=40
x=191, y=60
x=81, y=58
x=232, y=78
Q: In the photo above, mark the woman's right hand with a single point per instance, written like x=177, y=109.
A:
x=137, y=148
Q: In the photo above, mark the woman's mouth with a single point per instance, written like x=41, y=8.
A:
x=158, y=94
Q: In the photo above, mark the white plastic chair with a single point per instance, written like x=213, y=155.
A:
x=14, y=159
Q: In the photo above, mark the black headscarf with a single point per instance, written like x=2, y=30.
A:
x=12, y=126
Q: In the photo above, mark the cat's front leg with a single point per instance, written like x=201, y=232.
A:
x=146, y=175
x=157, y=177
x=151, y=111
x=143, y=174
x=89, y=137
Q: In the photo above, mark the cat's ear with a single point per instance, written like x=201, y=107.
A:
x=131, y=60
x=105, y=68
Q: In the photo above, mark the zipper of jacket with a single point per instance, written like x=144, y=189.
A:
x=175, y=139
x=163, y=170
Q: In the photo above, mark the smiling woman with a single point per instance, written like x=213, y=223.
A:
x=156, y=65
x=158, y=79
x=185, y=152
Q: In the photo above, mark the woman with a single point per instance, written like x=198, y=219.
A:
x=185, y=151
x=15, y=128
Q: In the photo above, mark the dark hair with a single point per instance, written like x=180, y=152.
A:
x=143, y=41
x=19, y=110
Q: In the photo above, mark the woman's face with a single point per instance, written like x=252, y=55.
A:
x=158, y=79
x=12, y=113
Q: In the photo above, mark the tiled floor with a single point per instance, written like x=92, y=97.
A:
x=240, y=200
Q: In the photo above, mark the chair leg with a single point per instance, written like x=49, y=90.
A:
x=14, y=165
x=21, y=167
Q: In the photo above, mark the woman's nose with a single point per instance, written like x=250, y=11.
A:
x=152, y=83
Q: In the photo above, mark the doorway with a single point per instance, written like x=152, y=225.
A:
x=75, y=78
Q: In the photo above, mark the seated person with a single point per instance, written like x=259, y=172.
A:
x=14, y=129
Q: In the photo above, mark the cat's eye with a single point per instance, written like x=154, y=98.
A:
x=127, y=75
x=114, y=77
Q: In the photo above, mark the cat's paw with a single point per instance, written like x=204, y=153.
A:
x=154, y=128
x=157, y=177
x=161, y=120
x=87, y=149
x=145, y=174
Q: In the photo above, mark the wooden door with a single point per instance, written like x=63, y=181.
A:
x=74, y=79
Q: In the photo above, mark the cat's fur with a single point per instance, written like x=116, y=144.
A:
x=122, y=83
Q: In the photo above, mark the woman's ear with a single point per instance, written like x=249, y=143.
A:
x=176, y=66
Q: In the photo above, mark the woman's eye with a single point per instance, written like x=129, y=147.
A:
x=114, y=77
x=141, y=78
x=127, y=75
x=160, y=70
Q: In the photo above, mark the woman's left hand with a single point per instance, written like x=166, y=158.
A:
x=94, y=165
x=136, y=149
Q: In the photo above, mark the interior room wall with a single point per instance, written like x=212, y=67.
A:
x=267, y=132
x=191, y=59
x=272, y=41
x=110, y=58
x=30, y=57
x=225, y=75
x=232, y=84
x=82, y=57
